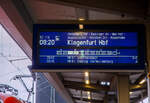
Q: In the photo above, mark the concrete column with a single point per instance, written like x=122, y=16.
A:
x=148, y=58
x=123, y=89
x=106, y=98
x=148, y=89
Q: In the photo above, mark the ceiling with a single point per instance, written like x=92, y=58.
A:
x=54, y=11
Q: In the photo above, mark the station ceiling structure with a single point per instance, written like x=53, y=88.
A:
x=18, y=16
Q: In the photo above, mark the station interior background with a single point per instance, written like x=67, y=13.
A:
x=14, y=62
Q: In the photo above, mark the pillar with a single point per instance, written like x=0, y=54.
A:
x=106, y=98
x=148, y=58
x=123, y=89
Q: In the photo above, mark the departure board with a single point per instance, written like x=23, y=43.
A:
x=74, y=41
x=89, y=39
x=90, y=48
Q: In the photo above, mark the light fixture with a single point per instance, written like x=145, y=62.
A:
x=130, y=93
x=81, y=26
x=103, y=83
x=108, y=83
x=81, y=19
x=87, y=82
x=88, y=92
x=142, y=81
x=89, y=97
x=86, y=74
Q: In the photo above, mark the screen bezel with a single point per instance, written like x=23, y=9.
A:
x=139, y=28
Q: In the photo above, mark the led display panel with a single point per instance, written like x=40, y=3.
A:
x=95, y=47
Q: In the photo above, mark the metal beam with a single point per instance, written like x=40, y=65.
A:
x=83, y=86
x=128, y=7
x=54, y=79
x=97, y=88
x=137, y=87
x=20, y=6
x=140, y=78
x=89, y=100
x=13, y=22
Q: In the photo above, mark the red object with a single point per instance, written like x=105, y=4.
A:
x=12, y=100
x=9, y=99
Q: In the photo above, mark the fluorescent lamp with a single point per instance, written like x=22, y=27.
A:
x=88, y=92
x=86, y=74
x=87, y=82
x=89, y=97
x=81, y=26
x=81, y=19
x=142, y=81
x=130, y=93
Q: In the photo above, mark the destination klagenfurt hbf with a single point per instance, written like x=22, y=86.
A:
x=87, y=42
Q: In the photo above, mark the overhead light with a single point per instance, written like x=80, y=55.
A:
x=108, y=83
x=130, y=93
x=81, y=26
x=87, y=82
x=142, y=81
x=89, y=97
x=86, y=74
x=88, y=92
x=103, y=83
x=81, y=19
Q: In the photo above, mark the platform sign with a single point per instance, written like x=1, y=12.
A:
x=96, y=47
